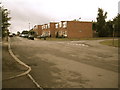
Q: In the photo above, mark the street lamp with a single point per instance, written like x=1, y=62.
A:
x=79, y=18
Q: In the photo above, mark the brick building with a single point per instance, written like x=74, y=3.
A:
x=74, y=29
x=38, y=29
x=49, y=29
x=69, y=29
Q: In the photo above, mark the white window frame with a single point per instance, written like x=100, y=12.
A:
x=56, y=25
x=64, y=24
x=60, y=24
x=48, y=25
x=42, y=27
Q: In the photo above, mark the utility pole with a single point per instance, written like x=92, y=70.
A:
x=29, y=25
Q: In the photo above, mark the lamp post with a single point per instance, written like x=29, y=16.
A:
x=29, y=26
x=113, y=33
x=79, y=18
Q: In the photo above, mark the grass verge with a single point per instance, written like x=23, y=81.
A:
x=75, y=39
x=116, y=43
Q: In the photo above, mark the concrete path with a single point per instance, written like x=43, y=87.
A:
x=12, y=68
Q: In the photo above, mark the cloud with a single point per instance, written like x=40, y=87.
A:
x=44, y=11
x=23, y=13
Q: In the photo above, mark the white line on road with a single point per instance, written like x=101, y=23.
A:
x=83, y=45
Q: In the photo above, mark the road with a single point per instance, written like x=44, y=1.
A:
x=69, y=64
x=0, y=62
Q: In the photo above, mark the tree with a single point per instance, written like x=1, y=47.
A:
x=18, y=33
x=109, y=28
x=94, y=28
x=116, y=24
x=4, y=21
x=101, y=23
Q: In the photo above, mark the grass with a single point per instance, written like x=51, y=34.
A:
x=110, y=43
x=75, y=39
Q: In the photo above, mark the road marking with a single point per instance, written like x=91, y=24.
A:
x=84, y=45
x=34, y=81
x=23, y=64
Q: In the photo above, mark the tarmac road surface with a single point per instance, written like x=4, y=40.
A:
x=69, y=64
x=0, y=63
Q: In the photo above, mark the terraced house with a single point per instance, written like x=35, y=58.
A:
x=68, y=29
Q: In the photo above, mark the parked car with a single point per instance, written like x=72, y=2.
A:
x=24, y=35
x=14, y=34
x=41, y=36
x=10, y=35
x=20, y=35
x=31, y=37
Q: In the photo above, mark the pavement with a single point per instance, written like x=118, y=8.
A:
x=12, y=68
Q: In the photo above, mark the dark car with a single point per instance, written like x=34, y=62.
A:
x=31, y=37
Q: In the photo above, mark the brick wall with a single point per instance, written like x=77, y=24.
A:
x=73, y=29
x=78, y=29
x=38, y=29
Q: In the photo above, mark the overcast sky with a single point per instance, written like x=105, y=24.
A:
x=40, y=12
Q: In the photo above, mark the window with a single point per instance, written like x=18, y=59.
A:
x=37, y=27
x=66, y=32
x=64, y=24
x=60, y=24
x=42, y=27
x=48, y=25
x=63, y=32
x=49, y=33
x=56, y=25
x=80, y=30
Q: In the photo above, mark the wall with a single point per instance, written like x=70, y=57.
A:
x=77, y=29
x=38, y=29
